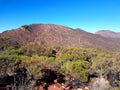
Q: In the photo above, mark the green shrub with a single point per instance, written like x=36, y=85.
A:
x=77, y=69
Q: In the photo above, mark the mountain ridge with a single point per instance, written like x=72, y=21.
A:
x=58, y=35
x=109, y=34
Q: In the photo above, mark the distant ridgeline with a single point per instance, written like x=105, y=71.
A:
x=57, y=35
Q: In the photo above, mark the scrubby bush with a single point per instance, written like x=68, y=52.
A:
x=77, y=69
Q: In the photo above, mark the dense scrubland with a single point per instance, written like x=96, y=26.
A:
x=76, y=62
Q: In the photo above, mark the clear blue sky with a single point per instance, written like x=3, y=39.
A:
x=89, y=15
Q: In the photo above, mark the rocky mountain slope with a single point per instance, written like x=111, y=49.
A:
x=109, y=34
x=56, y=35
